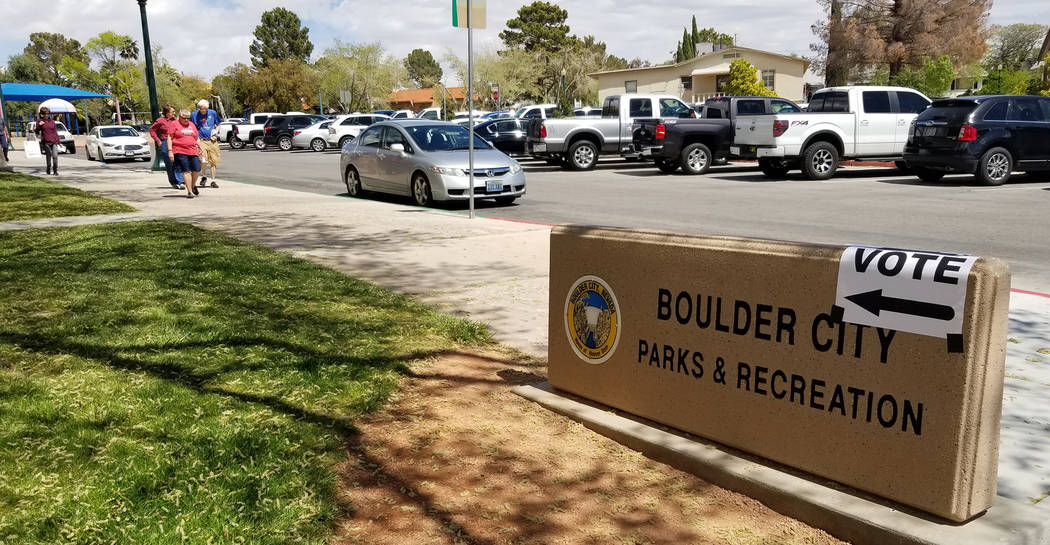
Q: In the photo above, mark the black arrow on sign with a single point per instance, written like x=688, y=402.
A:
x=874, y=302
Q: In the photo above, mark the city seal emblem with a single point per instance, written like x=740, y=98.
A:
x=592, y=319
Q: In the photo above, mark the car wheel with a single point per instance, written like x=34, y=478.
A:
x=666, y=165
x=583, y=155
x=696, y=159
x=774, y=168
x=87, y=152
x=820, y=161
x=285, y=143
x=344, y=141
x=236, y=143
x=505, y=200
x=929, y=175
x=421, y=190
x=995, y=167
x=353, y=182
x=318, y=144
x=259, y=143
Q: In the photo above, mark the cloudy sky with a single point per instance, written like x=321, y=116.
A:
x=202, y=37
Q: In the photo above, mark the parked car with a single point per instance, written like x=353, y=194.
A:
x=428, y=161
x=403, y=114
x=536, y=111
x=506, y=135
x=692, y=144
x=387, y=113
x=987, y=136
x=576, y=142
x=587, y=111
x=314, y=137
x=280, y=129
x=242, y=132
x=66, y=137
x=731, y=107
x=107, y=142
x=225, y=130
x=429, y=113
x=346, y=127
x=859, y=122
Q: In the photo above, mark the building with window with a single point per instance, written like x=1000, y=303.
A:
x=705, y=75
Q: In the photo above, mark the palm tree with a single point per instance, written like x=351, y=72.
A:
x=129, y=50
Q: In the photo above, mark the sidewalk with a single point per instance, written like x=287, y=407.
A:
x=496, y=272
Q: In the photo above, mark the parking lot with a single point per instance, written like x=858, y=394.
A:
x=861, y=205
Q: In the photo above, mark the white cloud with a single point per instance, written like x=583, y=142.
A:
x=202, y=37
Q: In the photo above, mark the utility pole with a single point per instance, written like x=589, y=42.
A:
x=151, y=82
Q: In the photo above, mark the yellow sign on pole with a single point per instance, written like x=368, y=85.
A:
x=459, y=13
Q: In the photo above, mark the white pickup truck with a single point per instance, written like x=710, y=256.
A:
x=855, y=122
x=240, y=133
x=576, y=142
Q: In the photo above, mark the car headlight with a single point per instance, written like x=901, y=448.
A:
x=515, y=168
x=107, y=144
x=449, y=171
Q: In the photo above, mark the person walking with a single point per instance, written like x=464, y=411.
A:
x=159, y=132
x=182, y=150
x=5, y=139
x=49, y=140
x=207, y=122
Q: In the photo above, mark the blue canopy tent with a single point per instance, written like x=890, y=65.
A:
x=39, y=92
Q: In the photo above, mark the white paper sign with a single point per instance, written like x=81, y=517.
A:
x=904, y=290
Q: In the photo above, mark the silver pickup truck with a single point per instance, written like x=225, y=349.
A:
x=576, y=142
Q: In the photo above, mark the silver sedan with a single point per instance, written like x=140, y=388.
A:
x=314, y=137
x=427, y=160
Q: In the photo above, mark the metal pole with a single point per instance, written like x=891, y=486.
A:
x=470, y=101
x=151, y=81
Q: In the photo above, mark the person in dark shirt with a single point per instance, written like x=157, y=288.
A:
x=49, y=140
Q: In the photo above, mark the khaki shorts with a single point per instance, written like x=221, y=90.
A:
x=209, y=152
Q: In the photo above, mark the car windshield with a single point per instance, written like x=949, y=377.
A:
x=59, y=126
x=443, y=138
x=117, y=131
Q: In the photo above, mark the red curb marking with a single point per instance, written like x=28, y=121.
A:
x=1015, y=290
x=532, y=223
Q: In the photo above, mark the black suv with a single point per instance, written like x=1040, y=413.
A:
x=280, y=129
x=987, y=136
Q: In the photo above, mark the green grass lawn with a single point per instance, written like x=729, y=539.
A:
x=163, y=384
x=24, y=197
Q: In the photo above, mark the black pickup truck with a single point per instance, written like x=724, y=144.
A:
x=692, y=144
x=676, y=147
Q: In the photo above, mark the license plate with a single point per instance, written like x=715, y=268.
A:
x=926, y=131
x=539, y=147
x=493, y=186
x=733, y=150
x=129, y=153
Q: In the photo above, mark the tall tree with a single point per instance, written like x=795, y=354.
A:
x=365, y=70
x=110, y=48
x=538, y=26
x=1014, y=47
x=283, y=84
x=901, y=33
x=49, y=49
x=280, y=36
x=695, y=34
x=422, y=68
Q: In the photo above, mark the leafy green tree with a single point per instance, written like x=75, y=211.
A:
x=366, y=70
x=1006, y=82
x=1014, y=47
x=281, y=85
x=743, y=80
x=26, y=68
x=422, y=68
x=515, y=70
x=933, y=79
x=538, y=26
x=280, y=36
x=695, y=34
x=49, y=49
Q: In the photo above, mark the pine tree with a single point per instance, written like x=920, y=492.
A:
x=696, y=33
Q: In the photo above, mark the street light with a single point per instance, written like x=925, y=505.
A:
x=151, y=82
x=561, y=97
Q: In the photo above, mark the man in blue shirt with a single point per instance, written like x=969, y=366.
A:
x=207, y=122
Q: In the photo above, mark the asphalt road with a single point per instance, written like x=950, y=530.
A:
x=867, y=206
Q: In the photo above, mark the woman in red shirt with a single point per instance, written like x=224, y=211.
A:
x=49, y=140
x=159, y=132
x=182, y=150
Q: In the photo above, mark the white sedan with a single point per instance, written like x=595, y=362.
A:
x=116, y=142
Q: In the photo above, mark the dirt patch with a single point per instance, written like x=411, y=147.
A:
x=458, y=458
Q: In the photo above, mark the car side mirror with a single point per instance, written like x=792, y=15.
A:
x=399, y=148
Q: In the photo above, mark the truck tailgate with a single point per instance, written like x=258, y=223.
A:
x=754, y=130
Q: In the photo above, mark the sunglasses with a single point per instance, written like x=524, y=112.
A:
x=183, y=117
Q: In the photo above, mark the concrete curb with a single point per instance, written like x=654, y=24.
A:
x=862, y=520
